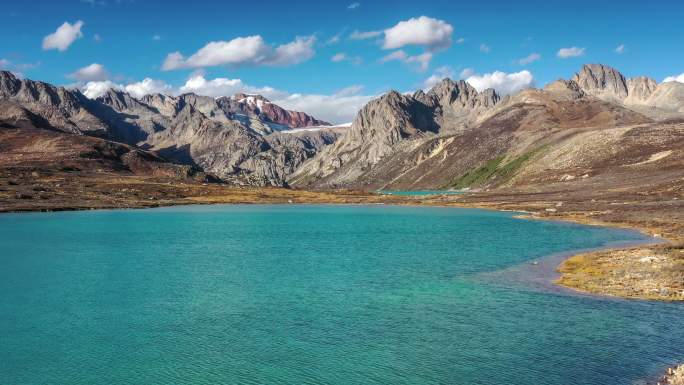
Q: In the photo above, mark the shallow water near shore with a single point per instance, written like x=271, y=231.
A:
x=312, y=294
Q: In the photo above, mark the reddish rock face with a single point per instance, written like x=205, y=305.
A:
x=257, y=105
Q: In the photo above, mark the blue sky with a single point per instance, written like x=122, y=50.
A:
x=131, y=39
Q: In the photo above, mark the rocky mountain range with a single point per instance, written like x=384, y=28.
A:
x=241, y=139
x=596, y=126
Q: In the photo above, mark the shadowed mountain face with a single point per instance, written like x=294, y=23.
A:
x=227, y=137
x=598, y=127
x=29, y=143
x=64, y=109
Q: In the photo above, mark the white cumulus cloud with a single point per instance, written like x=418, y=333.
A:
x=620, y=49
x=565, y=53
x=424, y=31
x=300, y=50
x=353, y=6
x=92, y=72
x=485, y=48
x=62, y=38
x=250, y=50
x=148, y=86
x=340, y=107
x=225, y=87
x=675, y=78
x=503, y=83
x=94, y=89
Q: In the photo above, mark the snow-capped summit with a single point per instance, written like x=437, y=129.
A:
x=255, y=105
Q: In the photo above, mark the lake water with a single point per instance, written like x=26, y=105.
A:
x=311, y=295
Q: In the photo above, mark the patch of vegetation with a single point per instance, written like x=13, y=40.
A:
x=479, y=175
x=493, y=169
x=511, y=167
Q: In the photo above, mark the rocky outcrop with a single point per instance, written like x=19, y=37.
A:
x=565, y=89
x=602, y=81
x=639, y=89
x=641, y=93
x=457, y=104
x=380, y=125
x=394, y=123
x=165, y=105
x=286, y=152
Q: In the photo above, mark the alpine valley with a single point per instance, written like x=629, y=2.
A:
x=596, y=148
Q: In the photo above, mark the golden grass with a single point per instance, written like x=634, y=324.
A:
x=651, y=272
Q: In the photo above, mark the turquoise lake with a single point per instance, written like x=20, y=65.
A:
x=312, y=294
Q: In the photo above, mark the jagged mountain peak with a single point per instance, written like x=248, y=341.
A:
x=642, y=94
x=393, y=95
x=118, y=99
x=9, y=83
x=6, y=75
x=597, y=70
x=602, y=81
x=460, y=94
x=34, y=90
x=447, y=84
